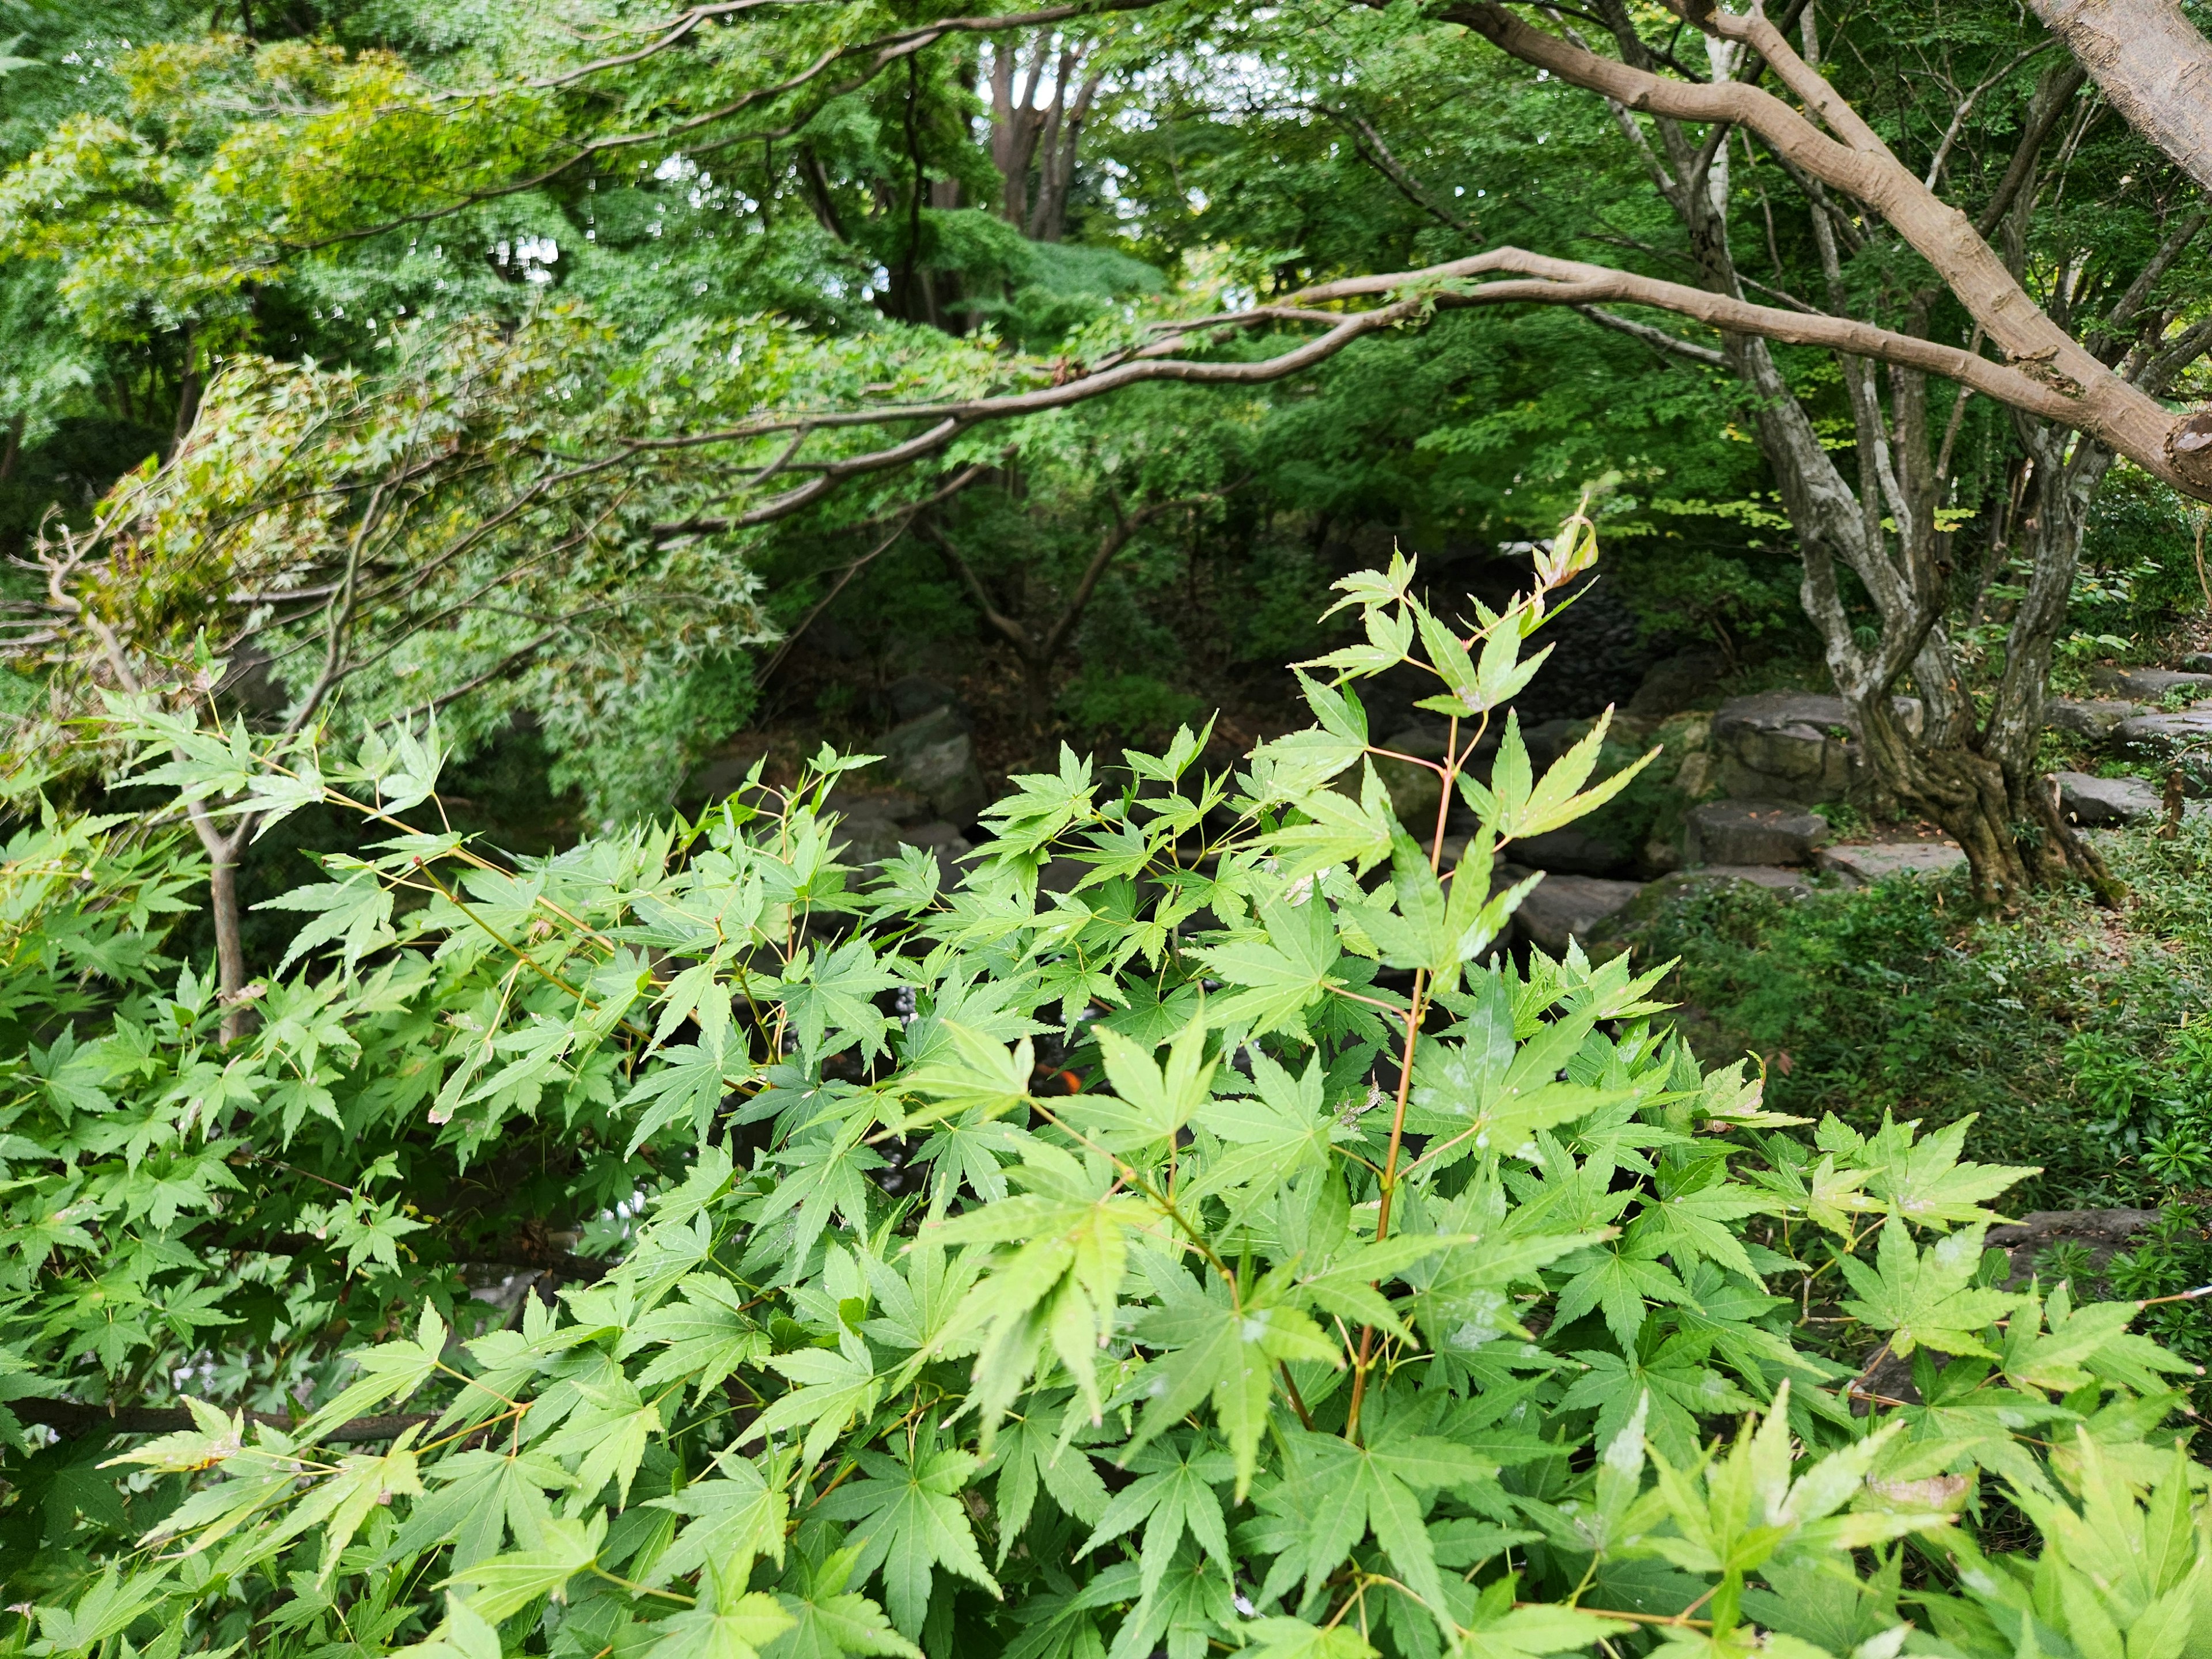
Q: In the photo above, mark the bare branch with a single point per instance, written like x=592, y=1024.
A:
x=1657, y=338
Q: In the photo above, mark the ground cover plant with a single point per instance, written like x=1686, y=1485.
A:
x=1232, y=1253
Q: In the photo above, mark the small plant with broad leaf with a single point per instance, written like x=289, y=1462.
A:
x=1230, y=1247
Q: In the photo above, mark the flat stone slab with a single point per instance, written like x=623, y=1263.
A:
x=1570, y=907
x=2150, y=684
x=2162, y=738
x=2096, y=802
x=1867, y=862
x=2102, y=1233
x=2091, y=719
x=1753, y=832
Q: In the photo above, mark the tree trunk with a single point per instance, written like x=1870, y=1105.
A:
x=188, y=394
x=2154, y=65
x=1036, y=702
x=229, y=946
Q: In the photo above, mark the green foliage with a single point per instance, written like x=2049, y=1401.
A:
x=1230, y=1252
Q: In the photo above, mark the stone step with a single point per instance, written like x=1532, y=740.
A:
x=1570, y=907
x=2095, y=803
x=1752, y=832
x=2089, y=719
x=1798, y=746
x=1862, y=864
x=2149, y=684
x=2163, y=739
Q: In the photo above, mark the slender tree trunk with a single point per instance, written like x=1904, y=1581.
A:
x=188, y=392
x=222, y=851
x=1037, y=698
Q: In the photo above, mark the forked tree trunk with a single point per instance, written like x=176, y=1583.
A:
x=1982, y=783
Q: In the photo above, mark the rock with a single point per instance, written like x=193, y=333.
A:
x=727, y=771
x=1620, y=929
x=2093, y=802
x=1793, y=745
x=2149, y=684
x=2197, y=662
x=1867, y=862
x=1414, y=790
x=2162, y=739
x=2093, y=720
x=1697, y=775
x=1681, y=681
x=934, y=758
x=1752, y=832
x=917, y=695
x=1570, y=907
x=2103, y=1233
x=1572, y=850
x=861, y=842
x=1776, y=879
x=851, y=797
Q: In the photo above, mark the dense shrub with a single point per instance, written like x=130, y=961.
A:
x=1230, y=1252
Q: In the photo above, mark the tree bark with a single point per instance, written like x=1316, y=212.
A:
x=2152, y=62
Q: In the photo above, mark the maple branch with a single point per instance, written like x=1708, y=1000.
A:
x=1850, y=156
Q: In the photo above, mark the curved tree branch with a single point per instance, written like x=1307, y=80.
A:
x=1856, y=160
x=1407, y=297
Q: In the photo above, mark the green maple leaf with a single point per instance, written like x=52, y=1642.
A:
x=1062, y=1286
x=832, y=995
x=1922, y=1180
x=507, y=1583
x=358, y=909
x=1284, y=1638
x=1149, y=1105
x=728, y=1622
x=708, y=1336
x=1271, y=1135
x=1228, y=1351
x=1173, y=1495
x=739, y=1515
x=827, y=1619
x=908, y=1521
x=481, y=1498
x=1620, y=1281
x=1500, y=1629
x=1926, y=1297
x=833, y=1388
x=1682, y=1388
x=1266, y=985
x=1031, y=1454
x=1347, y=1490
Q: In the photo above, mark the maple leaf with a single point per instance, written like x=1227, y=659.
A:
x=1926, y=1297
x=908, y=1521
x=739, y=1516
x=1174, y=1494
x=827, y=1619
x=1345, y=1490
x=1268, y=986
x=833, y=1389
x=1212, y=1347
